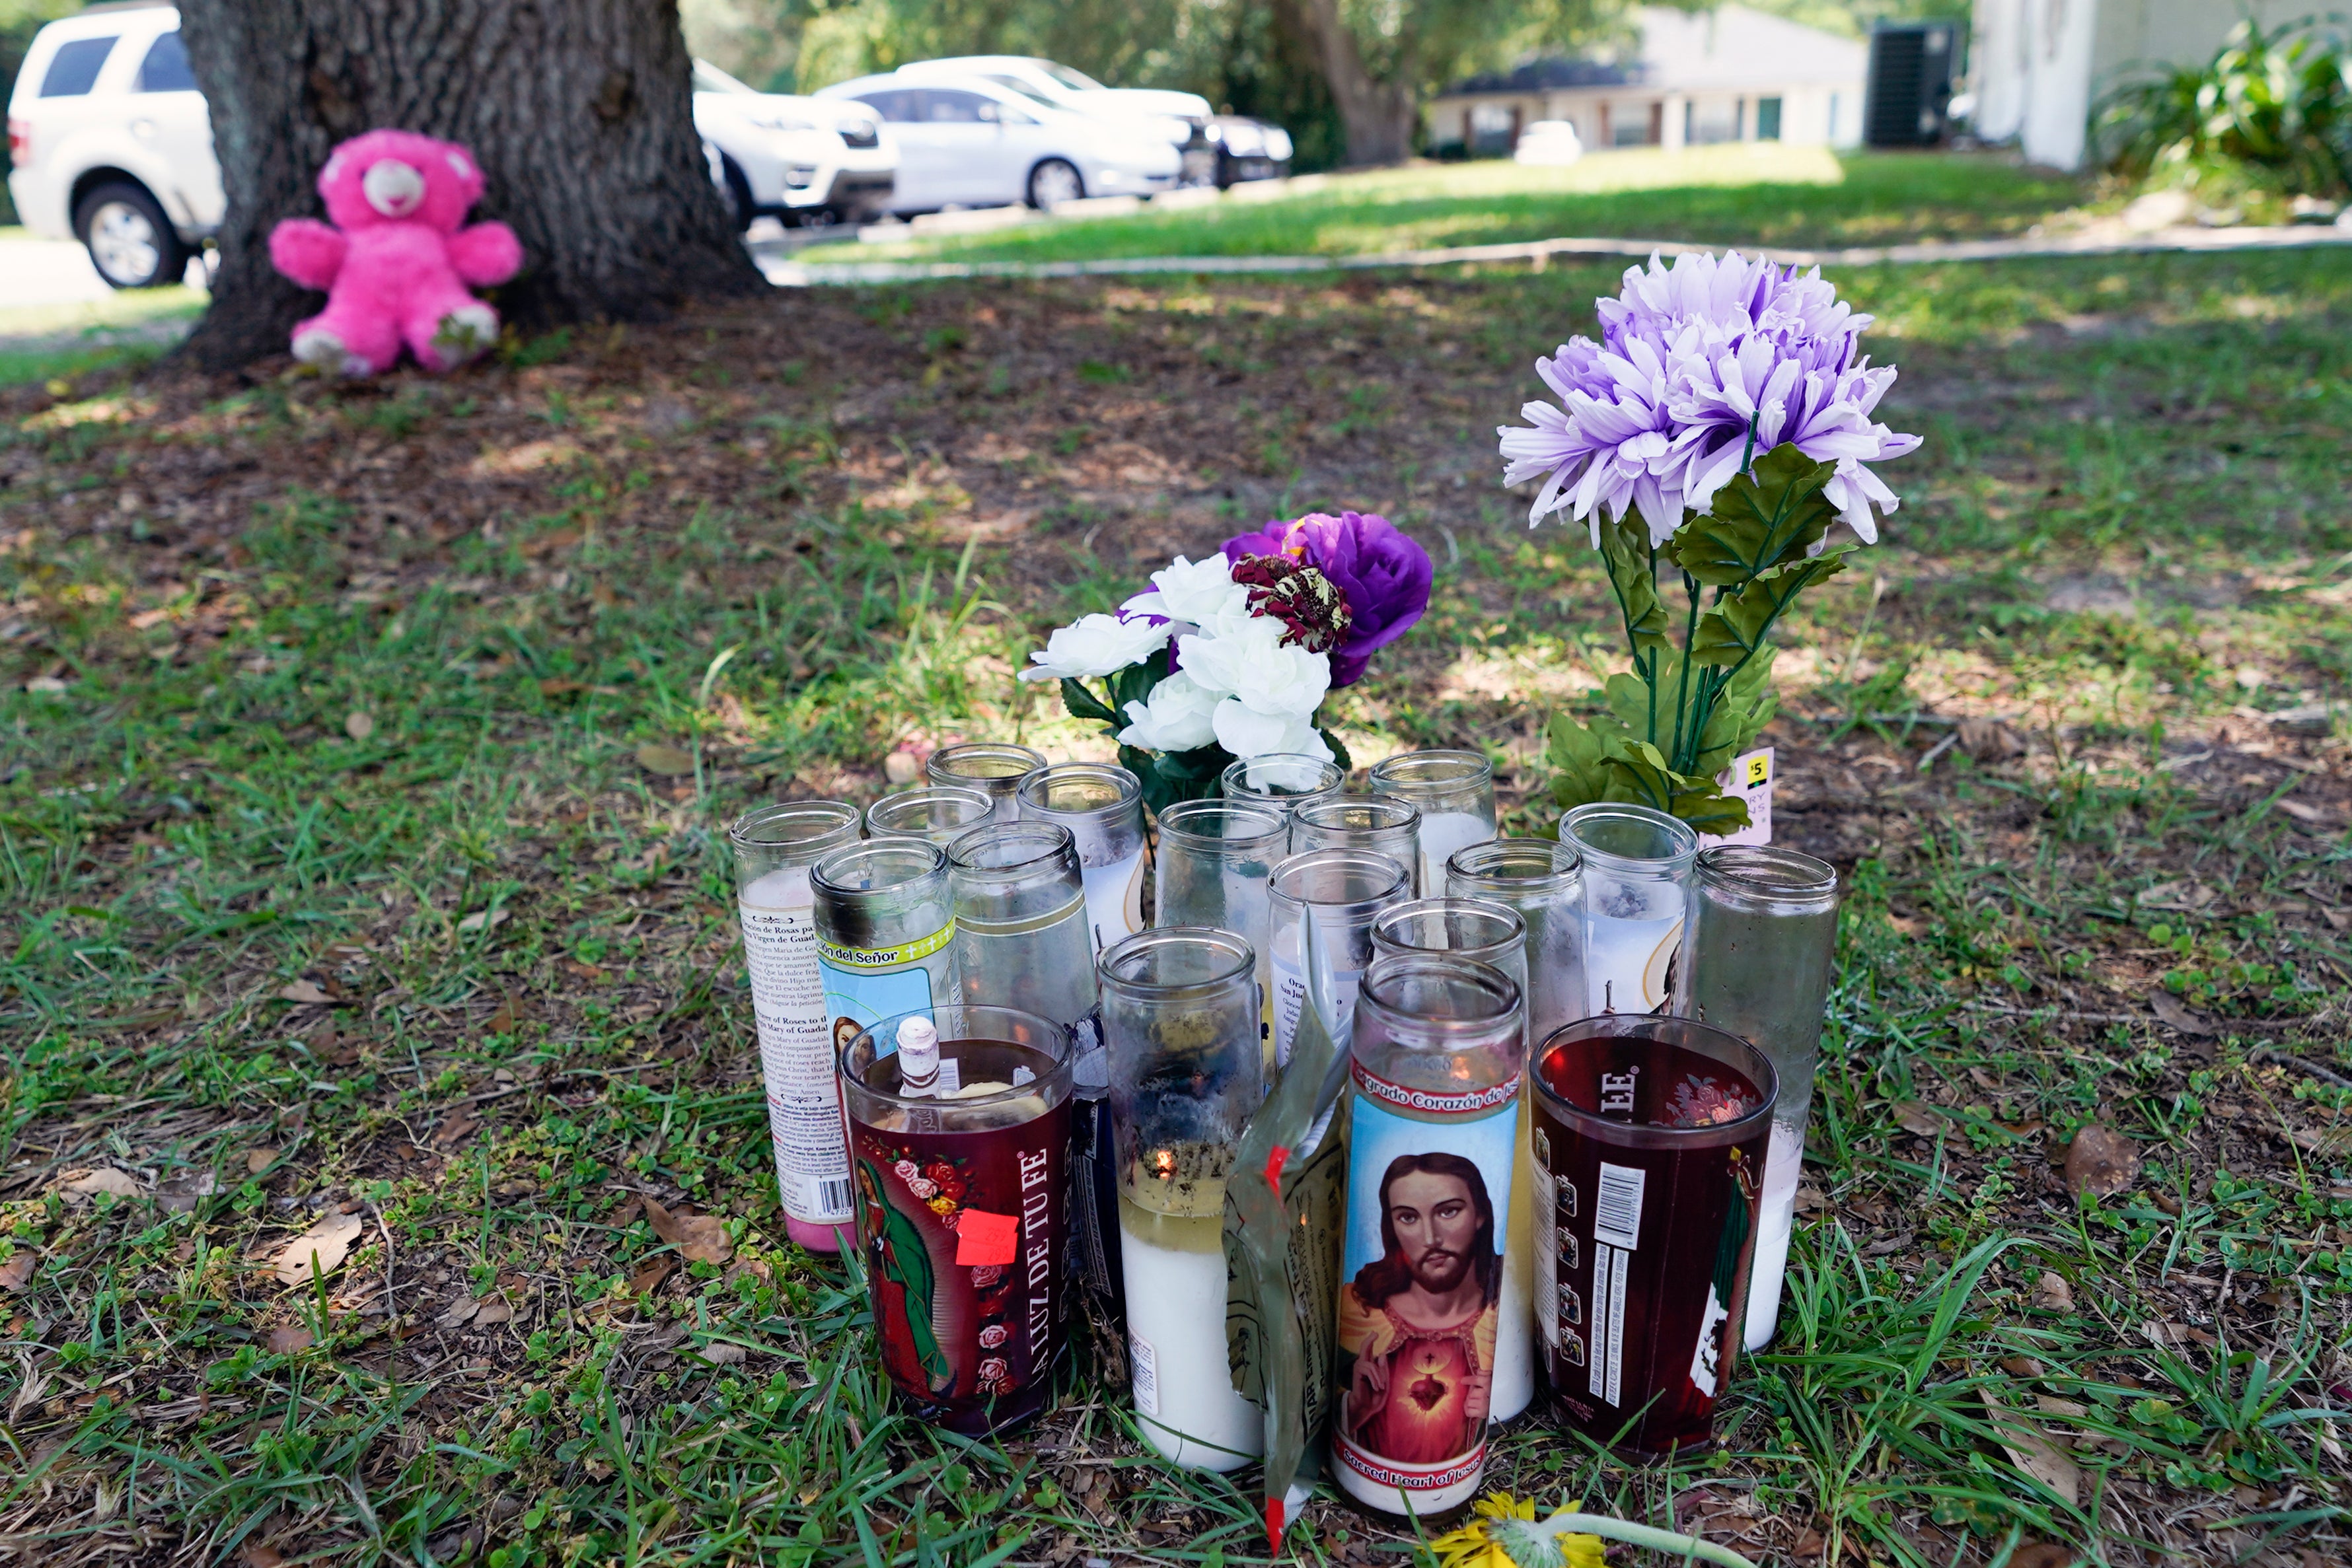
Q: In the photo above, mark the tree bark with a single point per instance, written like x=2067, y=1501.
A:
x=1378, y=116
x=579, y=111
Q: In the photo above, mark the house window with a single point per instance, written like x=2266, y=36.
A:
x=1494, y=127
x=1768, y=120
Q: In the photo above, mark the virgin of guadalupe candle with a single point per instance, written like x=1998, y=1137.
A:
x=1432, y=1099
x=961, y=1213
x=993, y=768
x=1649, y=1142
x=774, y=847
x=1022, y=942
x=1103, y=808
x=885, y=931
x=1490, y=933
x=941, y=813
x=1763, y=930
x=1455, y=793
x=1180, y=1009
x=1637, y=873
x=1340, y=891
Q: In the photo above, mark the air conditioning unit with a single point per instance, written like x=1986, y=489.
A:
x=1910, y=90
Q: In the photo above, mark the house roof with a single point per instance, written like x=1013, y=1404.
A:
x=1727, y=49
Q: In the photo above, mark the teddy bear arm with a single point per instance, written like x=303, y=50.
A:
x=308, y=251
x=486, y=254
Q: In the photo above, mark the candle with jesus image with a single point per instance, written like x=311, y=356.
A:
x=1434, y=1087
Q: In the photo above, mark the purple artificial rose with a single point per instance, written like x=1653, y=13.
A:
x=1385, y=576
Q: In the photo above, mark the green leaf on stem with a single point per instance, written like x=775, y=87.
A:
x=1172, y=776
x=1744, y=706
x=1338, y=752
x=1625, y=547
x=1081, y=703
x=1772, y=513
x=1739, y=622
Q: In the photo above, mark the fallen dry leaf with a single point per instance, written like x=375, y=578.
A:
x=303, y=991
x=2053, y=1406
x=511, y=1013
x=328, y=1242
x=18, y=1269
x=2329, y=1141
x=183, y=1196
x=461, y=1312
x=1989, y=740
x=2021, y=1367
x=2100, y=1162
x=2053, y=1293
x=260, y=1160
x=2035, y=1452
x=493, y=1310
x=455, y=1131
x=483, y=920
x=2168, y=1010
x=1809, y=1546
x=256, y=1555
x=105, y=1178
x=718, y=1352
x=2309, y=816
x=1916, y=1116
x=287, y=1339
x=359, y=724
x=659, y=758
x=2042, y=1555
x=699, y=1237
x=649, y=1278
x=1812, y=1200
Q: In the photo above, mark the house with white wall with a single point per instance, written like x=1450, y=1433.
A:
x=2038, y=68
x=1687, y=78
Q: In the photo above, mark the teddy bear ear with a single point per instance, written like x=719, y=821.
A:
x=334, y=167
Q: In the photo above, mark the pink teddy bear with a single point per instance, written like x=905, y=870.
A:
x=396, y=268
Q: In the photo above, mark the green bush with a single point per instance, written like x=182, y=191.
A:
x=2273, y=108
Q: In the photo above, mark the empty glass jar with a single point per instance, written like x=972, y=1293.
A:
x=940, y=813
x=1377, y=825
x=1217, y=861
x=993, y=768
x=1455, y=793
x=1543, y=882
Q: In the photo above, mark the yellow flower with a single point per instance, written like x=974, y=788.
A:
x=942, y=1205
x=1500, y=1521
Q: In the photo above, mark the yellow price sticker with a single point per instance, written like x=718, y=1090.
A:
x=1759, y=769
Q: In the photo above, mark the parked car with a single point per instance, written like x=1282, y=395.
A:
x=1218, y=149
x=110, y=144
x=804, y=161
x=1548, y=141
x=973, y=142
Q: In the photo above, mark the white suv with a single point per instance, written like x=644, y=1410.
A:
x=109, y=143
x=806, y=161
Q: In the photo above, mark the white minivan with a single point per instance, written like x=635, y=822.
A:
x=806, y=162
x=109, y=143
x=968, y=142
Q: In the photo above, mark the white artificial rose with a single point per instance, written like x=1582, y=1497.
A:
x=1271, y=677
x=1246, y=733
x=1095, y=645
x=1200, y=593
x=1174, y=718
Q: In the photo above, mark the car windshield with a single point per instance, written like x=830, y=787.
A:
x=708, y=77
x=1070, y=78
x=1015, y=84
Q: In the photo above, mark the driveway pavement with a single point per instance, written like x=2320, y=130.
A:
x=35, y=272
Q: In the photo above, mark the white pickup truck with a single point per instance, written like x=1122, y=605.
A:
x=110, y=144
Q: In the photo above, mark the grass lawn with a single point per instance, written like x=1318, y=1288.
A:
x=355, y=884
x=1757, y=193
x=42, y=342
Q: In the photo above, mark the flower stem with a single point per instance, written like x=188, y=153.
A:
x=1673, y=1543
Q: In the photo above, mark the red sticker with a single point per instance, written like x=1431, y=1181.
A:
x=984, y=1238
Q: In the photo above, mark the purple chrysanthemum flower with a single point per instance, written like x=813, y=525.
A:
x=1658, y=415
x=1383, y=574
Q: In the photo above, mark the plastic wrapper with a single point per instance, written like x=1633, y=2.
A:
x=1284, y=1206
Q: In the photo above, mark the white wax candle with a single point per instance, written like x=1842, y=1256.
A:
x=1114, y=899
x=1515, y=1324
x=795, y=1047
x=1175, y=1267
x=1442, y=833
x=1776, y=1218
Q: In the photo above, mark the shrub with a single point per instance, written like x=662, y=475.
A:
x=2276, y=104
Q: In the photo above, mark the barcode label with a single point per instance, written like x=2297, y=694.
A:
x=833, y=1195
x=951, y=1077
x=1598, y=1375
x=1617, y=1206
x=1144, y=1361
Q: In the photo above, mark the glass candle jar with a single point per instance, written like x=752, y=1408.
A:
x=1217, y=861
x=940, y=813
x=993, y=768
x=1343, y=890
x=1455, y=793
x=961, y=1214
x=1757, y=963
x=1637, y=865
x=774, y=846
x=1491, y=934
x=1281, y=778
x=1103, y=808
x=1379, y=824
x=1649, y=1143
x=1542, y=881
x=1181, y=1016
x=885, y=931
x=1433, y=1088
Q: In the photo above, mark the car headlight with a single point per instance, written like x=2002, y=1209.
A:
x=1175, y=128
x=799, y=174
x=1244, y=141
x=1277, y=143
x=860, y=134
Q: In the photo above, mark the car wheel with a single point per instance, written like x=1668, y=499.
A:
x=129, y=241
x=738, y=193
x=1053, y=182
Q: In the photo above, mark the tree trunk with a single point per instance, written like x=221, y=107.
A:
x=579, y=112
x=1378, y=116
